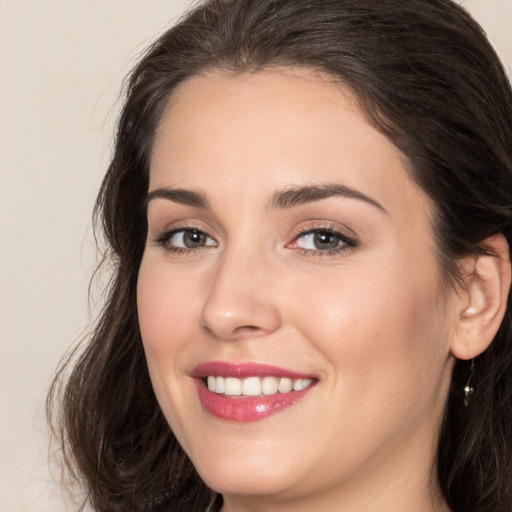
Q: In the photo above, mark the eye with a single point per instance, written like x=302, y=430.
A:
x=184, y=239
x=190, y=238
x=323, y=240
x=319, y=241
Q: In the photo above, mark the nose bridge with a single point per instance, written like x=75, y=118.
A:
x=239, y=301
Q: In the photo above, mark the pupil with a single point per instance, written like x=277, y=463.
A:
x=194, y=239
x=325, y=241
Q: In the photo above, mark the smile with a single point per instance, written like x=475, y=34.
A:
x=255, y=386
x=249, y=392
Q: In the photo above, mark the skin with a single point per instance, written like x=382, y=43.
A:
x=371, y=321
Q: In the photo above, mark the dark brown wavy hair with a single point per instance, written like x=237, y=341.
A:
x=425, y=76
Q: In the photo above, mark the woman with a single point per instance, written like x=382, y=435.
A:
x=309, y=212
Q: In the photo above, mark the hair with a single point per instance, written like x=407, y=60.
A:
x=424, y=75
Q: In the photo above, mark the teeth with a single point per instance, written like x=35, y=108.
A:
x=285, y=385
x=301, y=384
x=269, y=386
x=219, y=384
x=232, y=386
x=251, y=386
x=254, y=386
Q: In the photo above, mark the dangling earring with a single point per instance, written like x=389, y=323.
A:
x=468, y=388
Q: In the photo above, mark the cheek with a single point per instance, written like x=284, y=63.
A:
x=164, y=309
x=166, y=319
x=381, y=331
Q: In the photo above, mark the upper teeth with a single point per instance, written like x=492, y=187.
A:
x=254, y=386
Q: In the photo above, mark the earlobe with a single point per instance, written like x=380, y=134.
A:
x=484, y=299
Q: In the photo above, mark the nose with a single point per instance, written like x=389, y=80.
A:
x=241, y=301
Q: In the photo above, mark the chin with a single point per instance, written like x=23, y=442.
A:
x=248, y=472
x=250, y=482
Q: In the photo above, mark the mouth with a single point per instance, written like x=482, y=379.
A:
x=255, y=386
x=249, y=392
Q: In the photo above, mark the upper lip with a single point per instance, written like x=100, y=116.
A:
x=243, y=370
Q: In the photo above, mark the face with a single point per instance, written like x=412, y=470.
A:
x=288, y=248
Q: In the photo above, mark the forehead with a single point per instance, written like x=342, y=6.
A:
x=227, y=133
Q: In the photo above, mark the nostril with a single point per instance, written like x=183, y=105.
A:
x=249, y=330
x=210, y=332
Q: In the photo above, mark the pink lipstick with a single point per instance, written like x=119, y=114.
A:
x=249, y=391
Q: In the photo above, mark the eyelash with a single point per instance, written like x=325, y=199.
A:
x=164, y=238
x=346, y=243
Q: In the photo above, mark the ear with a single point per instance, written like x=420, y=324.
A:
x=483, y=299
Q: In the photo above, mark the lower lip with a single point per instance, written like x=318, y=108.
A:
x=246, y=409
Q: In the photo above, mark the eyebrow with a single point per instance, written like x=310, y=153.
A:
x=296, y=196
x=178, y=195
x=283, y=199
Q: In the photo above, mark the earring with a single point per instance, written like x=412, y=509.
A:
x=468, y=388
x=470, y=311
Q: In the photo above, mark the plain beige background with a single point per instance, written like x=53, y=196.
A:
x=61, y=67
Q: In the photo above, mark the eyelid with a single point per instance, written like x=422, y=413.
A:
x=163, y=236
x=348, y=242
